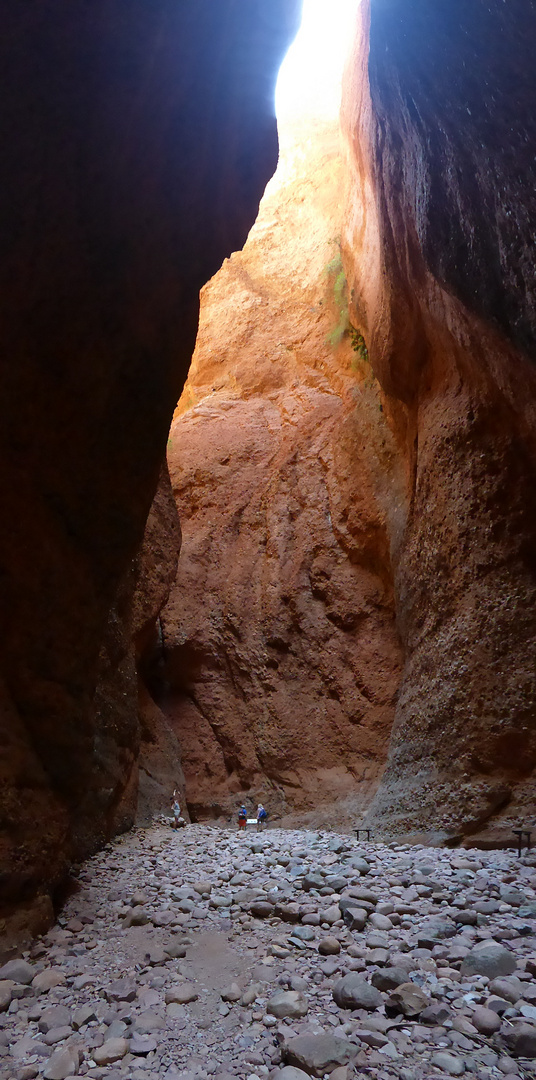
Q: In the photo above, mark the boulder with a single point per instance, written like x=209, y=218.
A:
x=330, y=914
x=318, y=1054
x=303, y=933
x=175, y=950
x=435, y=1014
x=287, y=912
x=120, y=990
x=329, y=946
x=486, y=1021
x=288, y=1072
x=83, y=1016
x=336, y=883
x=250, y=994
x=18, y=971
x=261, y=909
x=353, y=992
x=181, y=994
x=361, y=865
x=47, y=979
x=142, y=1044
x=490, y=959
x=520, y=1040
x=509, y=988
x=365, y=895
x=389, y=978
x=450, y=1064
x=6, y=993
x=312, y=881
x=62, y=1063
x=355, y=918
x=435, y=930
x=137, y=916
x=408, y=999
x=149, y=1021
x=288, y=1004
x=53, y=1017
x=110, y=1051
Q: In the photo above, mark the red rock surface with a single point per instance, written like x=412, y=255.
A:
x=441, y=216
x=137, y=141
x=437, y=499
x=281, y=653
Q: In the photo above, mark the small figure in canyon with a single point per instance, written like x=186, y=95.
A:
x=242, y=817
x=175, y=810
x=262, y=817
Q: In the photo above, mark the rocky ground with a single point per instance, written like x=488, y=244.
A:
x=205, y=953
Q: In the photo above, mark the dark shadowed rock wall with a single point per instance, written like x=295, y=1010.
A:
x=439, y=247
x=453, y=85
x=136, y=142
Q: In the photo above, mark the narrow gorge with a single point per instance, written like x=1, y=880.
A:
x=281, y=653
x=353, y=467
x=326, y=598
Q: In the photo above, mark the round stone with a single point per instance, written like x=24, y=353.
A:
x=329, y=946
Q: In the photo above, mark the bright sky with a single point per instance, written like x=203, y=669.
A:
x=309, y=81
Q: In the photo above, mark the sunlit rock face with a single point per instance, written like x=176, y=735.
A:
x=281, y=656
x=438, y=248
x=137, y=141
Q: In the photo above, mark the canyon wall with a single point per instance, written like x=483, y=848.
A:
x=348, y=531
x=280, y=651
x=137, y=141
x=438, y=247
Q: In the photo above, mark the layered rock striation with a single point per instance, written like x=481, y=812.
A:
x=280, y=651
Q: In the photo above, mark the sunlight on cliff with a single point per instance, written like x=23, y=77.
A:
x=309, y=83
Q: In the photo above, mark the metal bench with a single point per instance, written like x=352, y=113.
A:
x=520, y=833
x=362, y=830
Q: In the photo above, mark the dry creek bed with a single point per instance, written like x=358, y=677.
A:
x=205, y=953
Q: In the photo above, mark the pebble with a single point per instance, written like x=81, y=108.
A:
x=202, y=954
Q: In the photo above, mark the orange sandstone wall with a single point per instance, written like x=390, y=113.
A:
x=280, y=652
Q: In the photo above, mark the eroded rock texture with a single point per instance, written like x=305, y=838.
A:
x=137, y=140
x=281, y=656
x=439, y=249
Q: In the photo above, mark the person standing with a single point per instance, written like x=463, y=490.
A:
x=175, y=810
x=242, y=817
x=262, y=817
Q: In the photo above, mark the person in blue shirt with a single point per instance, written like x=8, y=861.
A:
x=262, y=817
